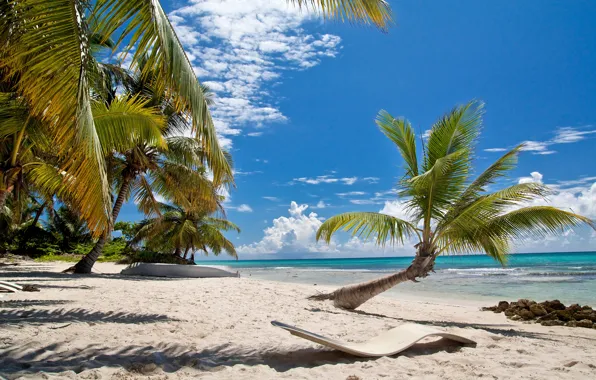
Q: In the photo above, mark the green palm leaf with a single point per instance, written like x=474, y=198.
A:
x=126, y=122
x=401, y=133
x=147, y=28
x=366, y=224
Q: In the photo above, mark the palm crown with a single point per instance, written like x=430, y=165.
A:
x=450, y=213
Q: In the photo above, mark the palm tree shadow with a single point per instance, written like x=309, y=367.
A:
x=19, y=317
x=19, y=304
x=22, y=360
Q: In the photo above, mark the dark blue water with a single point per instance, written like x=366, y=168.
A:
x=568, y=276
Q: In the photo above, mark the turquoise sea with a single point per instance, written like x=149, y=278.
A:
x=567, y=276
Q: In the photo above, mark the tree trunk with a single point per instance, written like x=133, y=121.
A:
x=186, y=252
x=38, y=214
x=4, y=193
x=3, y=196
x=351, y=296
x=86, y=263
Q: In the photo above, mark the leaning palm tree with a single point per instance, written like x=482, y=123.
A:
x=450, y=212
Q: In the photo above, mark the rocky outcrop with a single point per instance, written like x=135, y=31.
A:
x=547, y=313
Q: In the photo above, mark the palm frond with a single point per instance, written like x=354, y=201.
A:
x=455, y=131
x=400, y=132
x=497, y=170
x=147, y=28
x=366, y=224
x=375, y=12
x=48, y=49
x=126, y=122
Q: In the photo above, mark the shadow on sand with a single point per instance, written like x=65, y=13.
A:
x=18, y=361
x=18, y=317
x=19, y=304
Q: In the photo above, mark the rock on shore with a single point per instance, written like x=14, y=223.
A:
x=547, y=313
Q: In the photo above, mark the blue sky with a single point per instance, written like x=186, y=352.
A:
x=296, y=100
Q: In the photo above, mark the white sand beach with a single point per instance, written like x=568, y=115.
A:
x=108, y=326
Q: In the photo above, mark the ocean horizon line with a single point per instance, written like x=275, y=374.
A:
x=202, y=260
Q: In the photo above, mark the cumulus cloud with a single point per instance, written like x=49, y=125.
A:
x=240, y=48
x=295, y=234
x=535, y=177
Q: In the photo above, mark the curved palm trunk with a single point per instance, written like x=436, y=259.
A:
x=86, y=263
x=351, y=296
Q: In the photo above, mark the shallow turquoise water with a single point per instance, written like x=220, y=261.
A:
x=568, y=276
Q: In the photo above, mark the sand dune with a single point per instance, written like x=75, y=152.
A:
x=108, y=326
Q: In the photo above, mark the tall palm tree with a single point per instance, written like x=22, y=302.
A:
x=450, y=213
x=146, y=167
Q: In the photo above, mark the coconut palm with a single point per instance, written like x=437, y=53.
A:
x=47, y=50
x=449, y=212
x=145, y=168
x=182, y=230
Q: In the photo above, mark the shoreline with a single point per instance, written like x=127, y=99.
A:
x=107, y=325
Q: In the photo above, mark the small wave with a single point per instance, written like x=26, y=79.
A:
x=482, y=269
x=562, y=274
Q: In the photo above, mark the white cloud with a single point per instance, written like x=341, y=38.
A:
x=240, y=48
x=325, y=179
x=351, y=194
x=535, y=177
x=563, y=135
x=426, y=134
x=397, y=209
x=364, y=201
x=579, y=199
x=272, y=199
x=566, y=135
x=296, y=235
x=244, y=208
x=241, y=173
x=371, y=179
x=321, y=204
x=254, y=134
